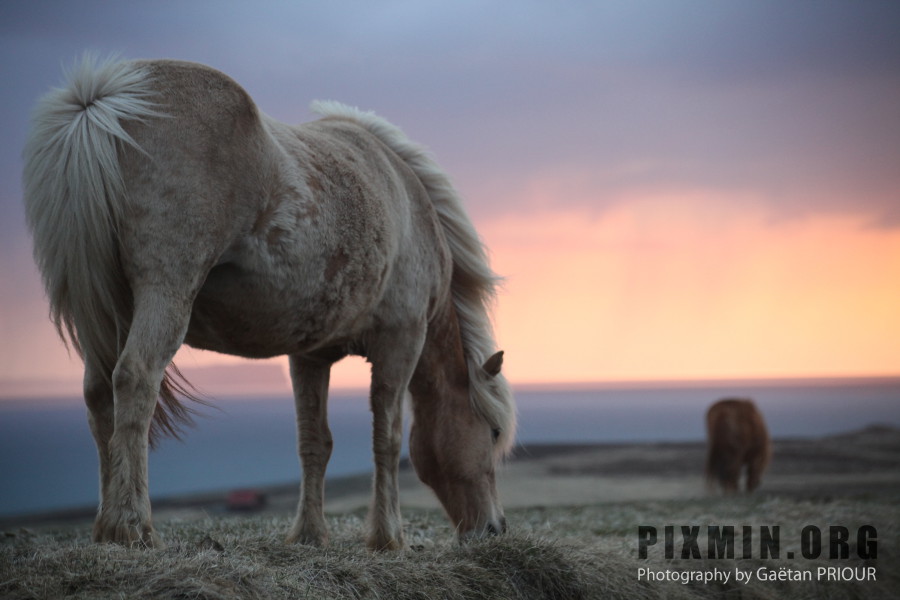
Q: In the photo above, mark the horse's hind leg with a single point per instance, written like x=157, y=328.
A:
x=394, y=358
x=157, y=330
x=98, y=396
x=310, y=379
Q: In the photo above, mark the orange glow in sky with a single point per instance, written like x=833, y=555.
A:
x=673, y=287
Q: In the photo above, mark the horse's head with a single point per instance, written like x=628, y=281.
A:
x=459, y=434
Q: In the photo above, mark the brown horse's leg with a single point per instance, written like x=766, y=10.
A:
x=98, y=396
x=157, y=330
x=731, y=473
x=755, y=467
x=310, y=379
x=393, y=358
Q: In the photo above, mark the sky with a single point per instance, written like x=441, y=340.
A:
x=672, y=189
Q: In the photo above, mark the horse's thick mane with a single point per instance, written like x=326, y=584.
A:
x=74, y=203
x=474, y=283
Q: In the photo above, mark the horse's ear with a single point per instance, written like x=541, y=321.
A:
x=493, y=364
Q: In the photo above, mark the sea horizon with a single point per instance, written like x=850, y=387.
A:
x=8, y=388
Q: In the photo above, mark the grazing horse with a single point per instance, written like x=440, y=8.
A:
x=737, y=438
x=166, y=208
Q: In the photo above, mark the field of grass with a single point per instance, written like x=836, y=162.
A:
x=565, y=553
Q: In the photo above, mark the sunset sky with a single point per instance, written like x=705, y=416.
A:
x=672, y=189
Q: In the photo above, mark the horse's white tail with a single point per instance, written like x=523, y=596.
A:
x=474, y=283
x=74, y=203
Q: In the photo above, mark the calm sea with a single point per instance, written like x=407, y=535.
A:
x=48, y=460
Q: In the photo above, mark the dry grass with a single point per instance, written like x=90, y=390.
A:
x=586, y=552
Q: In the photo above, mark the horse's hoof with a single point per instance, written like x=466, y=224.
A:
x=386, y=544
x=306, y=537
x=144, y=541
x=128, y=535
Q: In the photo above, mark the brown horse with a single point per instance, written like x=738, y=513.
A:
x=167, y=209
x=737, y=438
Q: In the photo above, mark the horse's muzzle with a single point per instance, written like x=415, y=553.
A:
x=496, y=528
x=490, y=529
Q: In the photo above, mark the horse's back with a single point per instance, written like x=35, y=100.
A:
x=214, y=145
x=736, y=422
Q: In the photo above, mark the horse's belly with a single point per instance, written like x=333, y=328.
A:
x=242, y=315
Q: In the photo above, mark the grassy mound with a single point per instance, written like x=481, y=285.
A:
x=565, y=553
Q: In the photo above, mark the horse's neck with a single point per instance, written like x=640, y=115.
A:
x=442, y=364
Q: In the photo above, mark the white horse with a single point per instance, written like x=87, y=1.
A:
x=167, y=209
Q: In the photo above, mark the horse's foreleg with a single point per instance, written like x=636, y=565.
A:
x=157, y=330
x=310, y=380
x=98, y=396
x=731, y=474
x=385, y=523
x=755, y=467
x=393, y=363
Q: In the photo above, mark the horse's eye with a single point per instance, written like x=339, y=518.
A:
x=495, y=433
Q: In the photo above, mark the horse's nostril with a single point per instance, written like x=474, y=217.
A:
x=496, y=528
